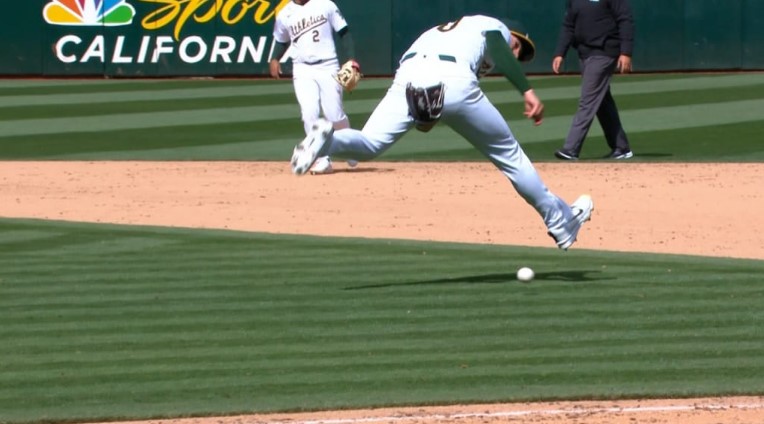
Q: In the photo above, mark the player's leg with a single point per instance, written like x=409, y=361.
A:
x=596, y=72
x=387, y=124
x=307, y=92
x=307, y=80
x=610, y=121
x=477, y=120
x=330, y=94
x=331, y=104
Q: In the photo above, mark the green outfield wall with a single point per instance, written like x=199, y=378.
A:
x=154, y=38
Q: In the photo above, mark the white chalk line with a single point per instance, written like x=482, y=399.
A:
x=574, y=411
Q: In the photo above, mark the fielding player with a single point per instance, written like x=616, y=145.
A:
x=438, y=81
x=309, y=27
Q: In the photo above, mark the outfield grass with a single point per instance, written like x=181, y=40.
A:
x=668, y=118
x=103, y=321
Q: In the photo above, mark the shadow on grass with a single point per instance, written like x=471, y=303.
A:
x=571, y=276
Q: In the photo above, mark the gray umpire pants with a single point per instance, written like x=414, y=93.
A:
x=596, y=72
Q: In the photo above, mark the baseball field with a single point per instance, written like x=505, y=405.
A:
x=158, y=261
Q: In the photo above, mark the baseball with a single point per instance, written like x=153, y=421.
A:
x=525, y=274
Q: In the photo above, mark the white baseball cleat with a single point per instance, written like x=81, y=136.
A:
x=582, y=212
x=306, y=153
x=322, y=166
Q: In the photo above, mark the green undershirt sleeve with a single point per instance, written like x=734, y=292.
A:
x=505, y=61
x=279, y=49
x=348, y=44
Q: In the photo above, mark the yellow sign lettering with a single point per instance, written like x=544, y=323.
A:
x=231, y=12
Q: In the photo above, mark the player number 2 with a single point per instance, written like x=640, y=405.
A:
x=315, y=36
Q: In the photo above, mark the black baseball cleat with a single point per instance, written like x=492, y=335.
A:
x=565, y=155
x=619, y=154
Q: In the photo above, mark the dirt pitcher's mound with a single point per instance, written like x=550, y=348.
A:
x=699, y=209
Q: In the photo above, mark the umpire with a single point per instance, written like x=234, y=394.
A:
x=602, y=31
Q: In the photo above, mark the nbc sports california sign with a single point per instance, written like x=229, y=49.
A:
x=157, y=31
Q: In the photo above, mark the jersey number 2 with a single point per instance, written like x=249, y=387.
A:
x=315, y=36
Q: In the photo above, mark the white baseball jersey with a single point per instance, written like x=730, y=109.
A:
x=310, y=30
x=464, y=40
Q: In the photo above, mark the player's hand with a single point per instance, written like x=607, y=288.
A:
x=534, y=109
x=624, y=64
x=275, y=66
x=557, y=64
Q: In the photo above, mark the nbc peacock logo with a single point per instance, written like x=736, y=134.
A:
x=89, y=12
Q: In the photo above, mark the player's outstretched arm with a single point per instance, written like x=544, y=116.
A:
x=508, y=65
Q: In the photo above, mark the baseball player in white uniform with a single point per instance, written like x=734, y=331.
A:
x=437, y=80
x=308, y=26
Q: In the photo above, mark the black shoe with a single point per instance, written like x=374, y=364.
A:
x=620, y=154
x=565, y=155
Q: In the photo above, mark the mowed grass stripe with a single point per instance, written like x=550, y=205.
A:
x=482, y=367
x=95, y=282
x=161, y=100
x=562, y=87
x=172, y=313
x=417, y=381
x=219, y=295
x=266, y=140
x=280, y=354
x=556, y=104
x=217, y=331
x=626, y=85
x=327, y=331
x=449, y=279
x=652, y=119
x=272, y=299
x=360, y=329
x=287, y=108
x=22, y=88
x=235, y=355
x=150, y=90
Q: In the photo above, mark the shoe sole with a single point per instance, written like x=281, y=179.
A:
x=306, y=153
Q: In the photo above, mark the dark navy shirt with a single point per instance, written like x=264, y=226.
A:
x=597, y=28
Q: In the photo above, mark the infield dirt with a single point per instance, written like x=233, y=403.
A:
x=698, y=209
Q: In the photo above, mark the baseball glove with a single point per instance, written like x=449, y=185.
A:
x=349, y=75
x=425, y=105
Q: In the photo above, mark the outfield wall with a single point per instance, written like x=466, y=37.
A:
x=148, y=38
